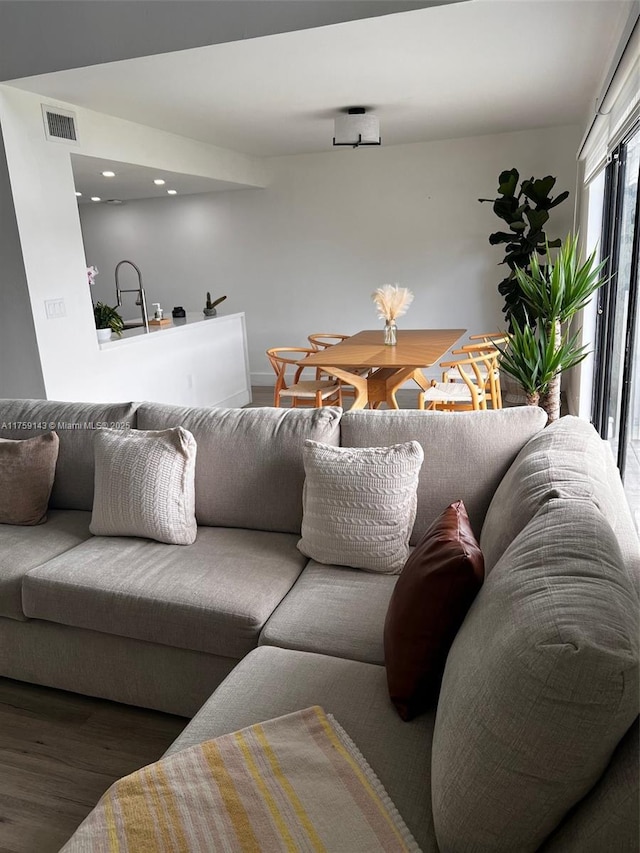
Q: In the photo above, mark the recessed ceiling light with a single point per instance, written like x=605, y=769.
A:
x=172, y=192
x=159, y=182
x=108, y=174
x=95, y=198
x=78, y=194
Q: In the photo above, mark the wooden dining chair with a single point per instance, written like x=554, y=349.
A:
x=477, y=385
x=300, y=392
x=482, y=344
x=323, y=340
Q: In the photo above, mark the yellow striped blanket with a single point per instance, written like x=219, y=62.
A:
x=296, y=783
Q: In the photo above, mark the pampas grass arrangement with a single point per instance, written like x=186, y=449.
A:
x=392, y=301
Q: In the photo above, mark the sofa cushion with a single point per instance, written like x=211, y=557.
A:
x=24, y=548
x=75, y=424
x=145, y=485
x=568, y=459
x=359, y=504
x=27, y=469
x=212, y=596
x=335, y=611
x=270, y=682
x=433, y=594
x=540, y=685
x=466, y=454
x=249, y=470
x=608, y=819
x=134, y=672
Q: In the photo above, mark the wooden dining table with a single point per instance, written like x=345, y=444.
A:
x=377, y=370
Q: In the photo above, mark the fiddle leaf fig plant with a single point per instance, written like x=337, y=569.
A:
x=525, y=210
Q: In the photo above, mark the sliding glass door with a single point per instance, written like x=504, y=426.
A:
x=616, y=397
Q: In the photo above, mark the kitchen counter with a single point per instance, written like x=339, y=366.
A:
x=138, y=334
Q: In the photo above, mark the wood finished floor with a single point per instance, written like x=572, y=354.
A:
x=59, y=752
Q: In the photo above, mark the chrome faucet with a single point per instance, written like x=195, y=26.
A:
x=141, y=300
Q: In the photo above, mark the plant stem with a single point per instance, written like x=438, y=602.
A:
x=550, y=401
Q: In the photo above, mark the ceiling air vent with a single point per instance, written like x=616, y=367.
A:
x=59, y=125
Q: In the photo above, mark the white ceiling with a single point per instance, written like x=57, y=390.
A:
x=134, y=182
x=479, y=67
x=40, y=36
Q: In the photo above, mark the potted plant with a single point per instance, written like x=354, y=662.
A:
x=534, y=358
x=541, y=348
x=107, y=320
x=526, y=212
x=210, y=307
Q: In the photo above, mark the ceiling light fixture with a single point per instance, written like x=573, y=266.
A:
x=95, y=198
x=355, y=127
x=172, y=192
x=159, y=182
x=78, y=194
x=108, y=174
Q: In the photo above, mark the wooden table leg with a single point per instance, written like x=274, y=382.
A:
x=420, y=379
x=380, y=386
x=358, y=382
x=394, y=382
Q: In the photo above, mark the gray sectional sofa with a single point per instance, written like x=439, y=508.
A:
x=240, y=627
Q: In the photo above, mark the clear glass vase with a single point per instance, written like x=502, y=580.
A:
x=390, y=333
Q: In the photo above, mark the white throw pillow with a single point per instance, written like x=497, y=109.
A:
x=359, y=504
x=145, y=485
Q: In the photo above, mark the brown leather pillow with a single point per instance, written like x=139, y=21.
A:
x=27, y=469
x=432, y=596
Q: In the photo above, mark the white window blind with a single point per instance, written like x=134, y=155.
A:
x=616, y=110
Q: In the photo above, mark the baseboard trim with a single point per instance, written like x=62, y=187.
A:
x=265, y=380
x=235, y=401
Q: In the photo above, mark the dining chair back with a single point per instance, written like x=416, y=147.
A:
x=478, y=384
x=485, y=344
x=285, y=362
x=323, y=340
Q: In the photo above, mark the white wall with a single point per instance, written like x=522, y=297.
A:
x=304, y=254
x=20, y=369
x=50, y=239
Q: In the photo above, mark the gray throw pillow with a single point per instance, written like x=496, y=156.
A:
x=27, y=469
x=145, y=485
x=540, y=685
x=359, y=504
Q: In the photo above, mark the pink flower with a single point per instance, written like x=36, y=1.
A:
x=92, y=272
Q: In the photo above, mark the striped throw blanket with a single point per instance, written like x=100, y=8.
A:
x=296, y=783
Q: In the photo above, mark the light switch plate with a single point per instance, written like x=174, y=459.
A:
x=55, y=308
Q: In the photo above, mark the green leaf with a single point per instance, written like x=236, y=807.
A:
x=556, y=201
x=500, y=237
x=508, y=181
x=538, y=190
x=537, y=219
x=506, y=208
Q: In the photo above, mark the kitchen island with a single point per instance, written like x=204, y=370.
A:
x=196, y=362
